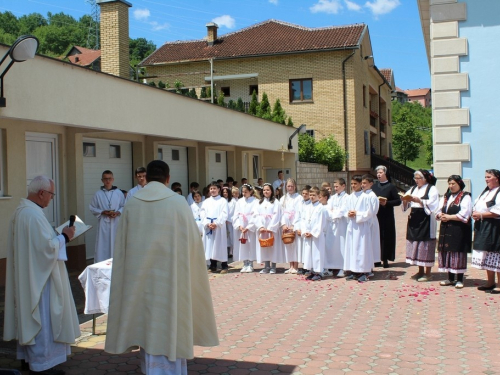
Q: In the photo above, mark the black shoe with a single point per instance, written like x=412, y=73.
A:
x=386, y=264
x=310, y=277
x=485, y=288
x=378, y=264
x=316, y=278
x=50, y=371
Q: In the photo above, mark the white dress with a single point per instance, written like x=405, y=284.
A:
x=291, y=204
x=215, y=211
x=358, y=249
x=314, y=222
x=335, y=236
x=229, y=223
x=245, y=216
x=105, y=200
x=196, y=209
x=374, y=203
x=300, y=240
x=269, y=217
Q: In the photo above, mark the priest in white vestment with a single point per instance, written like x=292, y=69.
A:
x=140, y=176
x=160, y=296
x=107, y=205
x=40, y=311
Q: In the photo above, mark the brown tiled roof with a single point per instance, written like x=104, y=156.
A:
x=417, y=92
x=265, y=38
x=400, y=89
x=387, y=73
x=86, y=57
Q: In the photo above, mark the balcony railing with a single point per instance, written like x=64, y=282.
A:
x=396, y=170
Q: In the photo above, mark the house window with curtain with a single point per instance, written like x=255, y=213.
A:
x=301, y=90
x=115, y=152
x=89, y=150
x=255, y=168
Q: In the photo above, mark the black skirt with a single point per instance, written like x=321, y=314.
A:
x=419, y=225
x=487, y=235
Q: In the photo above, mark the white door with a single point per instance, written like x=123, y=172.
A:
x=98, y=156
x=217, y=165
x=41, y=159
x=176, y=158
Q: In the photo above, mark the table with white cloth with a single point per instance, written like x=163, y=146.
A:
x=96, y=282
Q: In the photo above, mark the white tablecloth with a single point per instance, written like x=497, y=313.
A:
x=96, y=282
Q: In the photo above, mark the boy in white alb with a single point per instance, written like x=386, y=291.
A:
x=366, y=185
x=304, y=202
x=313, y=225
x=338, y=222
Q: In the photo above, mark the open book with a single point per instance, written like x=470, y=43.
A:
x=405, y=197
x=80, y=227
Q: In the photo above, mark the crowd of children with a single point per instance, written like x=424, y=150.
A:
x=324, y=231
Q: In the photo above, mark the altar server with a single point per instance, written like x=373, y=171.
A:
x=366, y=185
x=140, y=176
x=303, y=204
x=107, y=205
x=290, y=204
x=268, y=223
x=196, y=209
x=214, y=214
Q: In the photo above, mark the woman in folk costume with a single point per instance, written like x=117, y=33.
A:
x=214, y=216
x=244, y=222
x=335, y=240
x=304, y=201
x=228, y=195
x=423, y=199
x=388, y=198
x=486, y=215
x=313, y=225
x=196, y=209
x=455, y=231
x=268, y=224
x=290, y=204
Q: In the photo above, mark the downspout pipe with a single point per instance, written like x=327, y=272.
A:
x=212, y=80
x=346, y=135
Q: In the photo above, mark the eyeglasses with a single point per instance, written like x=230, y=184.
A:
x=107, y=178
x=417, y=178
x=51, y=193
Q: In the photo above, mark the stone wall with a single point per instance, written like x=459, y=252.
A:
x=314, y=174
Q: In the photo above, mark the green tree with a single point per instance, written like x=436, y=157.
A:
x=139, y=49
x=329, y=152
x=192, y=93
x=306, y=148
x=220, y=100
x=290, y=122
x=254, y=104
x=231, y=104
x=9, y=24
x=406, y=136
x=264, y=108
x=30, y=22
x=278, y=114
x=429, y=156
x=239, y=105
x=203, y=93
x=178, y=86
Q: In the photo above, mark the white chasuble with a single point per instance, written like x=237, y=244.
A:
x=335, y=234
x=215, y=210
x=291, y=204
x=160, y=296
x=245, y=217
x=358, y=247
x=314, y=222
x=105, y=200
x=269, y=217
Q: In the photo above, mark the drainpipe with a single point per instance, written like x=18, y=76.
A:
x=212, y=81
x=346, y=143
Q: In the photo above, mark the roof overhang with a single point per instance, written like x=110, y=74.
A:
x=232, y=77
x=425, y=21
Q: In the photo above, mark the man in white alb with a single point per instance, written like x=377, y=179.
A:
x=40, y=311
x=107, y=206
x=140, y=176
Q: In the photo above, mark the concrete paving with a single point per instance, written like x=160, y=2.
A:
x=271, y=324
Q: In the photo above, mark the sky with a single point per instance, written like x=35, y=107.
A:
x=394, y=25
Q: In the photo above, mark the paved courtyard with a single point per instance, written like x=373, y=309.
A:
x=271, y=324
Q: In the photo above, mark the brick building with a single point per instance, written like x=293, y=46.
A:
x=324, y=77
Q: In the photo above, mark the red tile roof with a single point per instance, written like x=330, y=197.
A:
x=86, y=57
x=417, y=92
x=265, y=38
x=387, y=73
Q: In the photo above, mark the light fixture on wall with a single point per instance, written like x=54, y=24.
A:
x=301, y=130
x=24, y=48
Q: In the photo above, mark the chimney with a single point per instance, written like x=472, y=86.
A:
x=211, y=33
x=114, y=37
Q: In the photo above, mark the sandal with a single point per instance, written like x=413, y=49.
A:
x=293, y=271
x=417, y=276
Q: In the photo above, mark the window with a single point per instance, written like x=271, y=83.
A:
x=253, y=88
x=218, y=157
x=367, y=143
x=175, y=154
x=89, y=150
x=160, y=154
x=226, y=91
x=114, y=152
x=301, y=90
x=310, y=132
x=364, y=95
x=255, y=168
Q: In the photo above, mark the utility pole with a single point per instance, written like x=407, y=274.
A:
x=93, y=35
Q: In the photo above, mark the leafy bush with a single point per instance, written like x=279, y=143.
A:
x=240, y=106
x=306, y=148
x=329, y=152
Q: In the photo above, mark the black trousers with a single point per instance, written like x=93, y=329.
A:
x=213, y=265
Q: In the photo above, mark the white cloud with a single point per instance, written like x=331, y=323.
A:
x=225, y=20
x=157, y=26
x=352, y=5
x=275, y=2
x=379, y=7
x=141, y=14
x=326, y=6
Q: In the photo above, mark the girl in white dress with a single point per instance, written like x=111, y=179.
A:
x=244, y=222
x=228, y=195
x=291, y=203
x=303, y=204
x=268, y=222
x=196, y=208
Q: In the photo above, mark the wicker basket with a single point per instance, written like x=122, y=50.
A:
x=288, y=237
x=266, y=242
x=243, y=239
